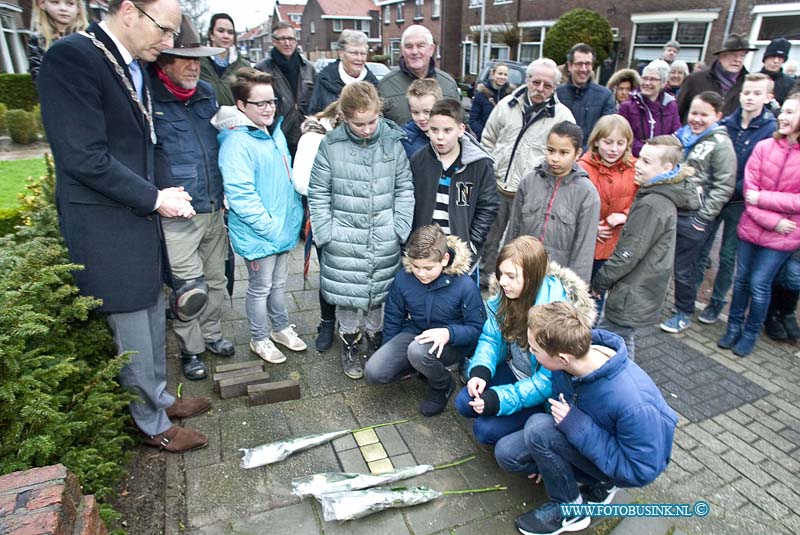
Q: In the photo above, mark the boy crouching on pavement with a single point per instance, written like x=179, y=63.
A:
x=433, y=316
x=637, y=274
x=609, y=425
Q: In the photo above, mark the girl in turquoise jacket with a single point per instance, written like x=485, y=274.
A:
x=506, y=384
x=265, y=210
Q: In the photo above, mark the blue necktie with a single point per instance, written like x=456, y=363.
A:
x=136, y=74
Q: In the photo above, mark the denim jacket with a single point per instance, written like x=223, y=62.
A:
x=187, y=149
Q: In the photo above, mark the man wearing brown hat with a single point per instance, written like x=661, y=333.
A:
x=186, y=155
x=725, y=76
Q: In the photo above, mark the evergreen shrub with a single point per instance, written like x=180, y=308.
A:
x=18, y=91
x=59, y=399
x=578, y=26
x=22, y=126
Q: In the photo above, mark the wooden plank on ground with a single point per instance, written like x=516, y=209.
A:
x=235, y=373
x=237, y=386
x=239, y=366
x=261, y=394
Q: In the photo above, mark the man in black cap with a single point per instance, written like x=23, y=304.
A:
x=186, y=155
x=776, y=54
x=725, y=76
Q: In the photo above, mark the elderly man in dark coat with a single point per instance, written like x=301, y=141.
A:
x=725, y=76
x=186, y=155
x=97, y=112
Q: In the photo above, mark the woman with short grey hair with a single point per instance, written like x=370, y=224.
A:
x=350, y=67
x=678, y=72
x=651, y=111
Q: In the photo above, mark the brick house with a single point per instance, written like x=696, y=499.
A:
x=397, y=15
x=256, y=42
x=640, y=28
x=324, y=20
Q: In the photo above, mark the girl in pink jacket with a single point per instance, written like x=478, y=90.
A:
x=768, y=229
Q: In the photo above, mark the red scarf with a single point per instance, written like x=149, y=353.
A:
x=180, y=93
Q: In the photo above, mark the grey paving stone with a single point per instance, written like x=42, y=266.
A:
x=747, y=468
x=279, y=475
x=306, y=300
x=404, y=460
x=353, y=461
x=484, y=472
x=298, y=519
x=716, y=464
x=736, y=428
x=212, y=453
x=501, y=523
x=391, y=440
x=346, y=442
x=699, y=435
x=642, y=526
x=385, y=522
x=728, y=498
x=742, y=447
x=319, y=415
x=251, y=427
x=446, y=511
x=324, y=376
x=792, y=435
x=436, y=440
x=784, y=494
x=236, y=493
x=380, y=404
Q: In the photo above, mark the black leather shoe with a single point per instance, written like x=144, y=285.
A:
x=221, y=347
x=193, y=368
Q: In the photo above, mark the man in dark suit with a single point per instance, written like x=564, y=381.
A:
x=96, y=111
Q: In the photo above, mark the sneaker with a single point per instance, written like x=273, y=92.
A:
x=677, y=323
x=267, y=351
x=547, y=520
x=599, y=493
x=711, y=313
x=288, y=339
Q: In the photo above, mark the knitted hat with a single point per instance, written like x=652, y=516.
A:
x=778, y=48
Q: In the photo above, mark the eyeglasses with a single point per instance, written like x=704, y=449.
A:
x=262, y=104
x=288, y=38
x=356, y=53
x=165, y=32
x=582, y=64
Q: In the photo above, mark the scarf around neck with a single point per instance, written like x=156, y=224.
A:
x=290, y=67
x=180, y=93
x=689, y=139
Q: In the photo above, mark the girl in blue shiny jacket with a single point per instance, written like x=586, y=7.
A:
x=506, y=384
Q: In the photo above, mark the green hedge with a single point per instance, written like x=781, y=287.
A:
x=578, y=26
x=22, y=126
x=9, y=219
x=17, y=91
x=59, y=399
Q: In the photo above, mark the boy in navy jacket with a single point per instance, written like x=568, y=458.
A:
x=609, y=425
x=433, y=316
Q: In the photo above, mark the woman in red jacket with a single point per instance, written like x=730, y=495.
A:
x=768, y=229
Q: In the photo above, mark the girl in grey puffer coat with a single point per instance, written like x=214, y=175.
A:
x=361, y=199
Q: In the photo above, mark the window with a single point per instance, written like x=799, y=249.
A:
x=496, y=2
x=418, y=9
x=437, y=9
x=337, y=25
x=786, y=26
x=475, y=3
x=470, y=58
x=311, y=27
x=530, y=46
x=363, y=26
x=400, y=7
x=652, y=31
x=394, y=51
x=387, y=14
x=296, y=18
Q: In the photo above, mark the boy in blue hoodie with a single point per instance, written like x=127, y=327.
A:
x=750, y=123
x=433, y=316
x=608, y=425
x=421, y=95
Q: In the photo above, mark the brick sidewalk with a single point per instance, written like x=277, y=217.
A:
x=737, y=446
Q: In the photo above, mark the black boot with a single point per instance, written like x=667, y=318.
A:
x=787, y=304
x=326, y=330
x=374, y=342
x=773, y=326
x=351, y=364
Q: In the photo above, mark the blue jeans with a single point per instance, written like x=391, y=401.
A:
x=789, y=276
x=540, y=448
x=489, y=429
x=729, y=216
x=688, y=245
x=266, y=294
x=756, y=268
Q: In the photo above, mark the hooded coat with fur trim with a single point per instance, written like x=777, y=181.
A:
x=452, y=301
x=560, y=284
